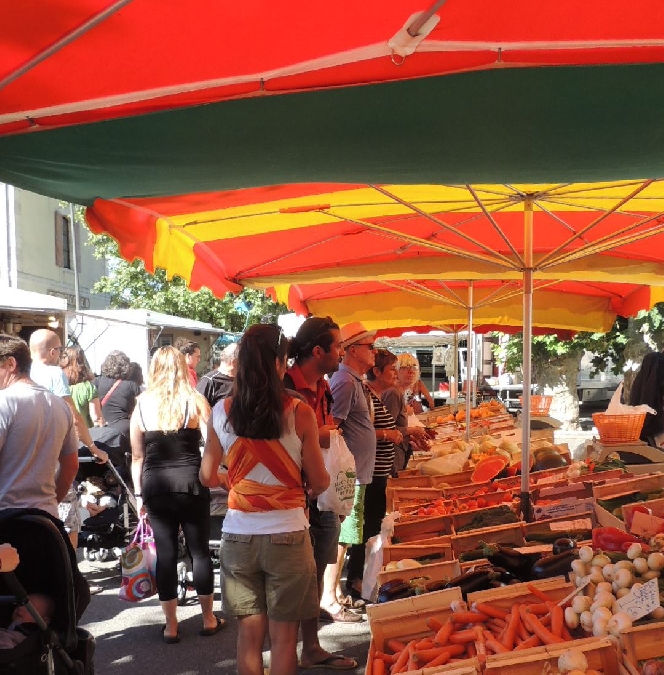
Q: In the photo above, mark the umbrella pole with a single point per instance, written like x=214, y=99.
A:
x=455, y=372
x=526, y=507
x=469, y=360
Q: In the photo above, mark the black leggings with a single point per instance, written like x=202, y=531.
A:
x=167, y=512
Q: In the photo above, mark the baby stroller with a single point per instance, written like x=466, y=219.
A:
x=45, y=567
x=108, y=531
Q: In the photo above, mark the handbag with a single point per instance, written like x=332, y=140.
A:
x=139, y=565
x=340, y=464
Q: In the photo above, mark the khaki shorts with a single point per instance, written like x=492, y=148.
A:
x=271, y=574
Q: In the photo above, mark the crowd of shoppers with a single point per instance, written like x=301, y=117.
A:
x=265, y=427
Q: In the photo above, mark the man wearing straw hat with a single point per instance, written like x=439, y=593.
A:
x=352, y=413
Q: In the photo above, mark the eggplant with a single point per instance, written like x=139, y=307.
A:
x=563, y=544
x=518, y=564
x=390, y=591
x=469, y=582
x=554, y=565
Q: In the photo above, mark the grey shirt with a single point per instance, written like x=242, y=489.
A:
x=350, y=405
x=36, y=429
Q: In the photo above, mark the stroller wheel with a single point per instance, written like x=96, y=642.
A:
x=182, y=583
x=89, y=554
x=104, y=554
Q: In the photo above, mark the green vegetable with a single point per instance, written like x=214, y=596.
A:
x=500, y=515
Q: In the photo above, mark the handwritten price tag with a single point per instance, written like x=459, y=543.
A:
x=645, y=525
x=571, y=525
x=640, y=602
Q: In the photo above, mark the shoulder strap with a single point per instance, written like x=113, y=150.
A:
x=140, y=414
x=116, y=384
x=186, y=415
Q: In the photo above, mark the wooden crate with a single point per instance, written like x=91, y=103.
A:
x=422, y=528
x=413, y=495
x=645, y=483
x=500, y=534
x=441, y=546
x=640, y=643
x=452, y=479
x=465, y=490
x=434, y=572
x=656, y=507
x=491, y=498
x=505, y=596
x=568, y=508
x=464, y=518
x=600, y=652
x=408, y=473
x=562, y=526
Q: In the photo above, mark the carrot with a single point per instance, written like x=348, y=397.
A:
x=495, y=631
x=471, y=650
x=434, y=624
x=469, y=617
x=427, y=655
x=535, y=626
x=396, y=645
x=512, y=626
x=557, y=621
x=412, y=663
x=443, y=635
x=545, y=620
x=388, y=658
x=565, y=635
x=537, y=593
x=426, y=643
x=539, y=608
x=463, y=636
x=378, y=667
x=532, y=641
x=439, y=660
x=489, y=610
x=498, y=622
x=522, y=630
x=402, y=662
x=494, y=645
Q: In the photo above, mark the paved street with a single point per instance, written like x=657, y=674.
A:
x=129, y=638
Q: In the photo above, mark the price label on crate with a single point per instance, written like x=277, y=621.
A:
x=640, y=602
x=580, y=524
x=645, y=525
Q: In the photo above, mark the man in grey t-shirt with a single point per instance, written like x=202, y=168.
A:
x=352, y=413
x=37, y=436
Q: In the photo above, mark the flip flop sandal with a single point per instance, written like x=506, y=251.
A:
x=329, y=662
x=208, y=632
x=169, y=639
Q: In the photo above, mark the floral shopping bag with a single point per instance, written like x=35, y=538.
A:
x=139, y=564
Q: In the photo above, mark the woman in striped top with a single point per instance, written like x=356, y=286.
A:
x=381, y=377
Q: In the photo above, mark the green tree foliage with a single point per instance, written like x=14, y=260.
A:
x=131, y=286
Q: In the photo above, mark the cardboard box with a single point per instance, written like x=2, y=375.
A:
x=640, y=643
x=434, y=572
x=600, y=652
x=567, y=508
x=606, y=519
x=500, y=534
x=422, y=528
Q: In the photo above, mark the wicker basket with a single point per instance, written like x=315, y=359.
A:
x=618, y=428
x=539, y=405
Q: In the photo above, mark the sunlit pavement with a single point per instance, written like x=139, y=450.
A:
x=129, y=635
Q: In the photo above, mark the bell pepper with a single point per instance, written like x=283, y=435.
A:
x=612, y=539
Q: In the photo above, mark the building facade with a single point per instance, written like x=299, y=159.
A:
x=38, y=252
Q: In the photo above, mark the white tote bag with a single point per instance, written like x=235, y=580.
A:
x=340, y=464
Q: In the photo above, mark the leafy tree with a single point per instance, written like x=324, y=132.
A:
x=130, y=285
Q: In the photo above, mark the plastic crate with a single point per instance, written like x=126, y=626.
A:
x=539, y=405
x=618, y=428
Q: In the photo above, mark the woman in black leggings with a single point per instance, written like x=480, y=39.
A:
x=165, y=437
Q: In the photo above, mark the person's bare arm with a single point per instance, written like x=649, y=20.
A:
x=423, y=391
x=66, y=475
x=96, y=414
x=137, y=437
x=83, y=431
x=213, y=455
x=313, y=465
x=8, y=558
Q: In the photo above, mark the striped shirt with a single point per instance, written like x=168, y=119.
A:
x=384, y=449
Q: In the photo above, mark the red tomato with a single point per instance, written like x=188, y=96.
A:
x=472, y=504
x=481, y=503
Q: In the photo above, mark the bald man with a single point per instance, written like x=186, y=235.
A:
x=45, y=350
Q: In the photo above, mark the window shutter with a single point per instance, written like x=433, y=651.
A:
x=59, y=224
x=77, y=244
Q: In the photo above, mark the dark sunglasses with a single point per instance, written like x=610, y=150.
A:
x=371, y=345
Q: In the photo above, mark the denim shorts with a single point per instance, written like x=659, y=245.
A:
x=324, y=527
x=271, y=574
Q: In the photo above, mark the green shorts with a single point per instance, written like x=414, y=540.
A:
x=352, y=529
x=273, y=574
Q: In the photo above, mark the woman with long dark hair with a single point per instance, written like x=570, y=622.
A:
x=269, y=442
x=83, y=391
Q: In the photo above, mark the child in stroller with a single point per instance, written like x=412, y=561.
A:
x=107, y=504
x=47, y=567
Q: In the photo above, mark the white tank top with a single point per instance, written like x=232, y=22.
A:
x=265, y=522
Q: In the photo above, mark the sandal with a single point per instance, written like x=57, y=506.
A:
x=208, y=632
x=352, y=603
x=344, y=615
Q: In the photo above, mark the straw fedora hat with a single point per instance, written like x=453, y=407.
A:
x=355, y=332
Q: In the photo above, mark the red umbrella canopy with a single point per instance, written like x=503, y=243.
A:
x=74, y=61
x=207, y=95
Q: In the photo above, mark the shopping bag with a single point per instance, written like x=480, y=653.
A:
x=373, y=559
x=139, y=564
x=340, y=464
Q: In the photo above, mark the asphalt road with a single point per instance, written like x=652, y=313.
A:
x=128, y=636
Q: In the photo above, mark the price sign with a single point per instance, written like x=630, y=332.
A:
x=580, y=524
x=645, y=525
x=640, y=602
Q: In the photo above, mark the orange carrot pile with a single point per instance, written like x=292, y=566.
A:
x=481, y=631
